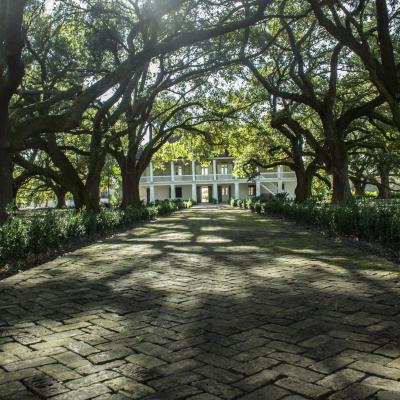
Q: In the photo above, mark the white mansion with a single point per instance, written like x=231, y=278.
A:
x=212, y=183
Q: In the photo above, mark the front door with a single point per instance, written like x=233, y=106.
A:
x=224, y=193
x=205, y=194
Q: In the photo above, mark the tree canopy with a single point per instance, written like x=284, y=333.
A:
x=93, y=88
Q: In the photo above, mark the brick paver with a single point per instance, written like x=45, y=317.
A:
x=211, y=303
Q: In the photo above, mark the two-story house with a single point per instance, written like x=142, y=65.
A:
x=211, y=183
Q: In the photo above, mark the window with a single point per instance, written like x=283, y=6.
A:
x=252, y=190
x=204, y=170
x=224, y=169
x=283, y=186
x=225, y=190
x=178, y=192
x=179, y=170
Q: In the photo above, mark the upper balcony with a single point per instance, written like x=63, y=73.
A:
x=286, y=175
x=209, y=178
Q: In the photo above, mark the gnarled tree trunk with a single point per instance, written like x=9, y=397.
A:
x=92, y=191
x=130, y=187
x=384, y=184
x=12, y=72
x=96, y=163
x=341, y=185
x=359, y=186
x=78, y=199
x=339, y=167
x=131, y=174
x=60, y=193
x=6, y=172
x=304, y=184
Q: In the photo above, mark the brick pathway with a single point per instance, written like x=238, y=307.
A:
x=204, y=304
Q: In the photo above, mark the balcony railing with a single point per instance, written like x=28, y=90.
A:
x=269, y=175
x=224, y=177
x=288, y=175
x=277, y=175
x=183, y=178
x=204, y=178
x=166, y=178
x=219, y=177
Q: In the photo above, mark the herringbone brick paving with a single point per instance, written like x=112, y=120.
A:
x=204, y=304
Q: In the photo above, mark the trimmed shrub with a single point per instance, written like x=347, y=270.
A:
x=248, y=204
x=368, y=219
x=25, y=235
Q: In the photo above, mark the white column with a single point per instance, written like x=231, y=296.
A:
x=172, y=192
x=151, y=171
x=236, y=190
x=215, y=191
x=214, y=164
x=152, y=194
x=194, y=170
x=280, y=179
x=258, y=188
x=194, y=192
x=172, y=171
x=279, y=170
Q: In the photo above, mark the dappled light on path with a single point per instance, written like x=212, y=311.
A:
x=204, y=304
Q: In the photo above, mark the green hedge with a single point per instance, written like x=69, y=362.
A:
x=372, y=220
x=25, y=235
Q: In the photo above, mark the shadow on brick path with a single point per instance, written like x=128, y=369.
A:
x=204, y=304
